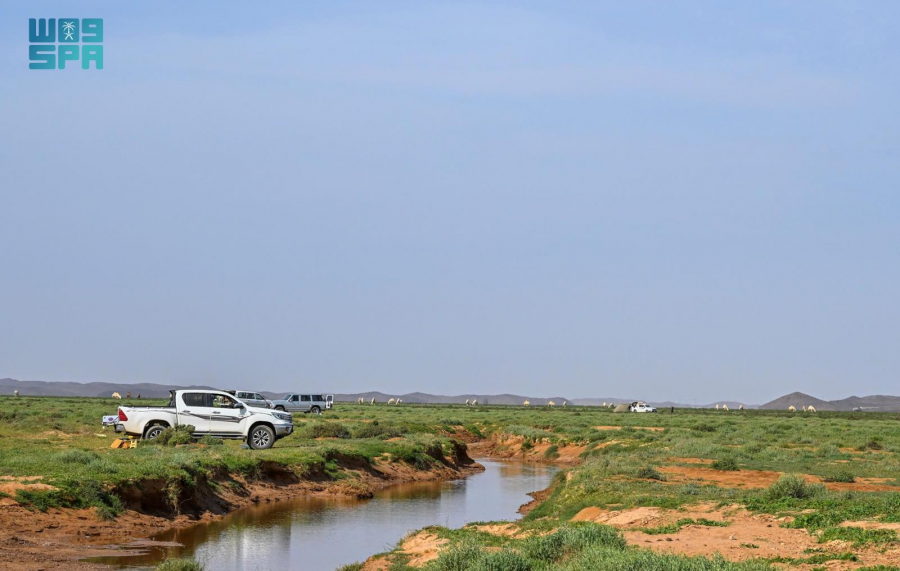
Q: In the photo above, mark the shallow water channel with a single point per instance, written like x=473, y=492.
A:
x=318, y=533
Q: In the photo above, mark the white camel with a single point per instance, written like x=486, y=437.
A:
x=391, y=400
x=474, y=402
x=116, y=396
x=398, y=401
x=810, y=408
x=792, y=408
x=16, y=392
x=526, y=403
x=724, y=407
x=373, y=400
x=741, y=407
x=804, y=408
x=565, y=402
x=551, y=403
x=717, y=406
x=467, y=402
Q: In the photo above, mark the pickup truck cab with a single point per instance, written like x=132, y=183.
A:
x=214, y=413
x=304, y=402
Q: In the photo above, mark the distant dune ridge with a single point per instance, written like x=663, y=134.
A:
x=883, y=403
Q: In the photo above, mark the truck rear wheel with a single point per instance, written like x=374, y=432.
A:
x=316, y=410
x=261, y=437
x=154, y=431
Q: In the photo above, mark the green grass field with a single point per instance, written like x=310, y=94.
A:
x=837, y=468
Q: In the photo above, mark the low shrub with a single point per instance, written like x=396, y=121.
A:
x=375, y=430
x=726, y=464
x=872, y=444
x=844, y=476
x=180, y=565
x=704, y=427
x=650, y=473
x=858, y=536
x=552, y=453
x=792, y=486
x=328, y=430
x=173, y=435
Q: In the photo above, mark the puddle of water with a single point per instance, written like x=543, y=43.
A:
x=325, y=533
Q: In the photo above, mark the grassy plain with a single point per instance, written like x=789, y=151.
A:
x=696, y=482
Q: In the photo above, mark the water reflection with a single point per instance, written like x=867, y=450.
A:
x=324, y=533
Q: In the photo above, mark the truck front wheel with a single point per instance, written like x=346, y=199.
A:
x=261, y=437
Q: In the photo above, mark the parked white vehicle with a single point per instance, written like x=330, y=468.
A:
x=252, y=398
x=307, y=402
x=641, y=407
x=215, y=413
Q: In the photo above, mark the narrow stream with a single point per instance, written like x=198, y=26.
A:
x=321, y=534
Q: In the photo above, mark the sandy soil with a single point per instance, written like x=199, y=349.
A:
x=9, y=485
x=511, y=448
x=748, y=536
x=501, y=529
x=764, y=479
x=653, y=428
x=58, y=539
x=422, y=548
x=681, y=460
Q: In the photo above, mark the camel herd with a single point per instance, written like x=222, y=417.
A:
x=809, y=408
x=474, y=402
x=395, y=401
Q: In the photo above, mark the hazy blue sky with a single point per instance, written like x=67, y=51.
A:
x=689, y=201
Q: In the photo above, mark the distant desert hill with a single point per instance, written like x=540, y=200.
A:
x=155, y=390
x=798, y=400
x=660, y=404
x=63, y=389
x=872, y=403
x=457, y=399
x=882, y=403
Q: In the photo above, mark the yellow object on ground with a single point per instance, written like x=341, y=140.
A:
x=124, y=443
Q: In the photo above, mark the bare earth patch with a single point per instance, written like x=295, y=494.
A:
x=679, y=460
x=872, y=525
x=511, y=447
x=764, y=479
x=9, y=485
x=422, y=548
x=501, y=529
x=726, y=479
x=653, y=428
x=735, y=542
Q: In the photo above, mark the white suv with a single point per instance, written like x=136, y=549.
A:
x=641, y=407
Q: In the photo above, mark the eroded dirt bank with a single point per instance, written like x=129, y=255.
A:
x=505, y=447
x=60, y=538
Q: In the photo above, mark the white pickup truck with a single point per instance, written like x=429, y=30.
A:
x=215, y=413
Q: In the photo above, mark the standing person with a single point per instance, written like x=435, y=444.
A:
x=673, y=410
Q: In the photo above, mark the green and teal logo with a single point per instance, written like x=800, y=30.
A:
x=54, y=42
